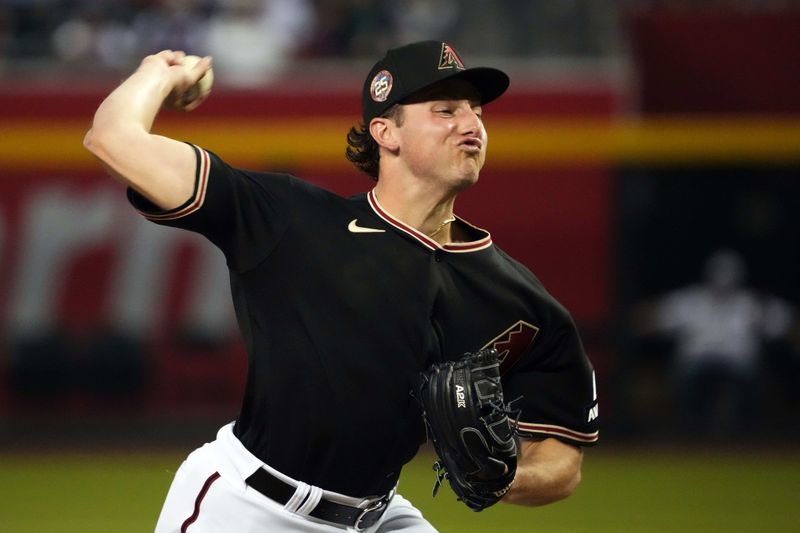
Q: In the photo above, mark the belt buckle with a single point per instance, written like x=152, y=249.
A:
x=372, y=505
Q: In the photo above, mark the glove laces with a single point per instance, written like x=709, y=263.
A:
x=441, y=475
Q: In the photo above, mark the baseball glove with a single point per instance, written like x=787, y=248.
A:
x=468, y=423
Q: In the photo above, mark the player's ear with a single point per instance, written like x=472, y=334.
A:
x=383, y=130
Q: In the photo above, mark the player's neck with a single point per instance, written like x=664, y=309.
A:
x=426, y=209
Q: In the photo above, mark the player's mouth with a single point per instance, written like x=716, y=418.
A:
x=471, y=145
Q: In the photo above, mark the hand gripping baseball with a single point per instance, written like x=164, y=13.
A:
x=468, y=423
x=191, y=76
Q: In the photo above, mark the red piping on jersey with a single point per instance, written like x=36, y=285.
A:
x=560, y=431
x=199, y=195
x=203, y=491
x=424, y=239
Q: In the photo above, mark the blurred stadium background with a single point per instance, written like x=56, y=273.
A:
x=637, y=138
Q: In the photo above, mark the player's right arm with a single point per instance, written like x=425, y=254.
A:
x=159, y=168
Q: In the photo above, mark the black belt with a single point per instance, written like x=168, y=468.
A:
x=356, y=517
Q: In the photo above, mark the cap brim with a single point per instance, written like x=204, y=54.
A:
x=490, y=82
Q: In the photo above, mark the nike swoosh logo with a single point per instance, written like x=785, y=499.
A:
x=353, y=227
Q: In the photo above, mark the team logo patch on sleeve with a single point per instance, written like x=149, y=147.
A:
x=381, y=86
x=594, y=410
x=449, y=58
x=512, y=344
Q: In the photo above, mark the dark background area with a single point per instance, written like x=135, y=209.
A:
x=669, y=221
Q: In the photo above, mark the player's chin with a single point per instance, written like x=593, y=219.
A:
x=471, y=167
x=466, y=177
x=474, y=161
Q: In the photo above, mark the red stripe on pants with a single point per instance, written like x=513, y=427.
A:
x=207, y=485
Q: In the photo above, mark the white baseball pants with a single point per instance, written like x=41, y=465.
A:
x=209, y=495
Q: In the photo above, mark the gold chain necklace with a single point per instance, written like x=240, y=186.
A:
x=441, y=226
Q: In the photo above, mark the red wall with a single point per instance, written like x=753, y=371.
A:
x=713, y=61
x=554, y=216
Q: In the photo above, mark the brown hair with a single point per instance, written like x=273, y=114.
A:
x=362, y=150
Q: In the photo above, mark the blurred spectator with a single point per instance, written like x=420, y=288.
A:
x=248, y=35
x=78, y=37
x=351, y=28
x=170, y=24
x=5, y=35
x=418, y=20
x=251, y=40
x=29, y=23
x=719, y=328
x=520, y=28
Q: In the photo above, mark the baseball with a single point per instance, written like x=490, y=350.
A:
x=198, y=92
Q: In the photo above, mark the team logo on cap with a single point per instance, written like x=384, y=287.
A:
x=381, y=86
x=449, y=58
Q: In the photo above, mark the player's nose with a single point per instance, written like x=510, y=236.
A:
x=469, y=121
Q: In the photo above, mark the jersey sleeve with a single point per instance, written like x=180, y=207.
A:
x=243, y=213
x=555, y=385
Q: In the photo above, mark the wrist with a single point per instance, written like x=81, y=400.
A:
x=154, y=77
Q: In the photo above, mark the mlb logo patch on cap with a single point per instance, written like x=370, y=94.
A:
x=381, y=86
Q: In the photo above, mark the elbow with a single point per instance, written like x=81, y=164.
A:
x=105, y=139
x=558, y=490
x=93, y=142
x=90, y=141
x=536, y=490
x=567, y=486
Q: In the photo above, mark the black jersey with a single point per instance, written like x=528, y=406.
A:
x=341, y=306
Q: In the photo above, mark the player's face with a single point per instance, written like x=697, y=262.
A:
x=442, y=136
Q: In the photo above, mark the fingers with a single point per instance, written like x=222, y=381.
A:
x=192, y=81
x=172, y=57
x=162, y=59
x=199, y=69
x=204, y=64
x=183, y=68
x=194, y=103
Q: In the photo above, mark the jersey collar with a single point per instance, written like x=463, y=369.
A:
x=456, y=247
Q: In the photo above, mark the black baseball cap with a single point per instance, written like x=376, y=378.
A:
x=407, y=69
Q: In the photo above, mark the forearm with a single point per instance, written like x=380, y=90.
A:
x=548, y=471
x=120, y=133
x=160, y=168
x=135, y=103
